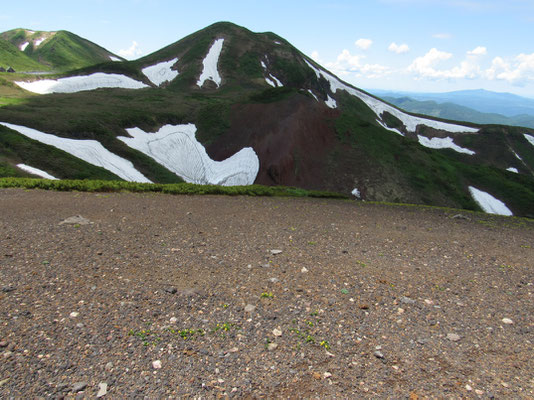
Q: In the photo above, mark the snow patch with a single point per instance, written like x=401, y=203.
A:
x=512, y=169
x=389, y=129
x=210, y=71
x=161, y=72
x=113, y=58
x=271, y=79
x=90, y=151
x=270, y=82
x=277, y=42
x=356, y=193
x=23, y=46
x=330, y=102
x=379, y=107
x=517, y=156
x=489, y=203
x=443, y=143
x=314, y=96
x=529, y=138
x=75, y=84
x=176, y=148
x=38, y=42
x=36, y=171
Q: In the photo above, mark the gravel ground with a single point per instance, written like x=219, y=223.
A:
x=156, y=296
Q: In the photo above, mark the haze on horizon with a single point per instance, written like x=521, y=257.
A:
x=408, y=45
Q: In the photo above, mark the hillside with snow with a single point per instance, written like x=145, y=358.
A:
x=227, y=106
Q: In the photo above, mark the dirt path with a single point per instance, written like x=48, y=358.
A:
x=178, y=296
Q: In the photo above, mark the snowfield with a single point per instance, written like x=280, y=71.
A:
x=380, y=107
x=90, y=151
x=38, y=42
x=210, y=71
x=443, y=143
x=512, y=169
x=488, y=203
x=161, y=72
x=176, y=148
x=23, y=46
x=314, y=96
x=36, y=171
x=330, y=102
x=112, y=58
x=529, y=138
x=81, y=83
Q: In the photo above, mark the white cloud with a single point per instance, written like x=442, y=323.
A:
x=132, y=52
x=519, y=71
x=427, y=66
x=347, y=63
x=478, y=51
x=442, y=36
x=363, y=44
x=399, y=49
x=315, y=55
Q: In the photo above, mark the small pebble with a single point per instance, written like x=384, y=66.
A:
x=102, y=389
x=249, y=308
x=173, y=320
x=275, y=252
x=272, y=346
x=453, y=337
x=156, y=364
x=74, y=314
x=277, y=332
x=379, y=354
x=304, y=269
x=507, y=321
x=79, y=386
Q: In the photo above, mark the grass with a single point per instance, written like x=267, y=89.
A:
x=178, y=188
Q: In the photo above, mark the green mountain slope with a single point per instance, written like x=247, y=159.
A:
x=59, y=51
x=311, y=131
x=11, y=56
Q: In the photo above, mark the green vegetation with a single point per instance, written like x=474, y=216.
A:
x=178, y=188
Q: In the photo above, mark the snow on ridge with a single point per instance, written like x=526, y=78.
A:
x=512, y=169
x=23, y=46
x=488, y=203
x=90, y=151
x=177, y=149
x=443, y=143
x=210, y=62
x=113, y=58
x=161, y=72
x=517, y=156
x=75, y=84
x=380, y=107
x=36, y=171
x=529, y=138
x=388, y=128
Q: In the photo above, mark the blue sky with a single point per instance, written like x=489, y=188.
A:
x=412, y=45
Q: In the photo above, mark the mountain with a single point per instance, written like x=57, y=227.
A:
x=58, y=51
x=228, y=106
x=457, y=112
x=11, y=56
x=507, y=104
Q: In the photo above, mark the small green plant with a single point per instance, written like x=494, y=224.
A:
x=312, y=243
x=267, y=295
x=344, y=291
x=505, y=267
x=189, y=333
x=314, y=313
x=325, y=344
x=361, y=263
x=146, y=336
x=225, y=306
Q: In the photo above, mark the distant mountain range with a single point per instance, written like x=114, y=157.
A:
x=498, y=105
x=228, y=106
x=449, y=110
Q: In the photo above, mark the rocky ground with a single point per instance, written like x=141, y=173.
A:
x=157, y=296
